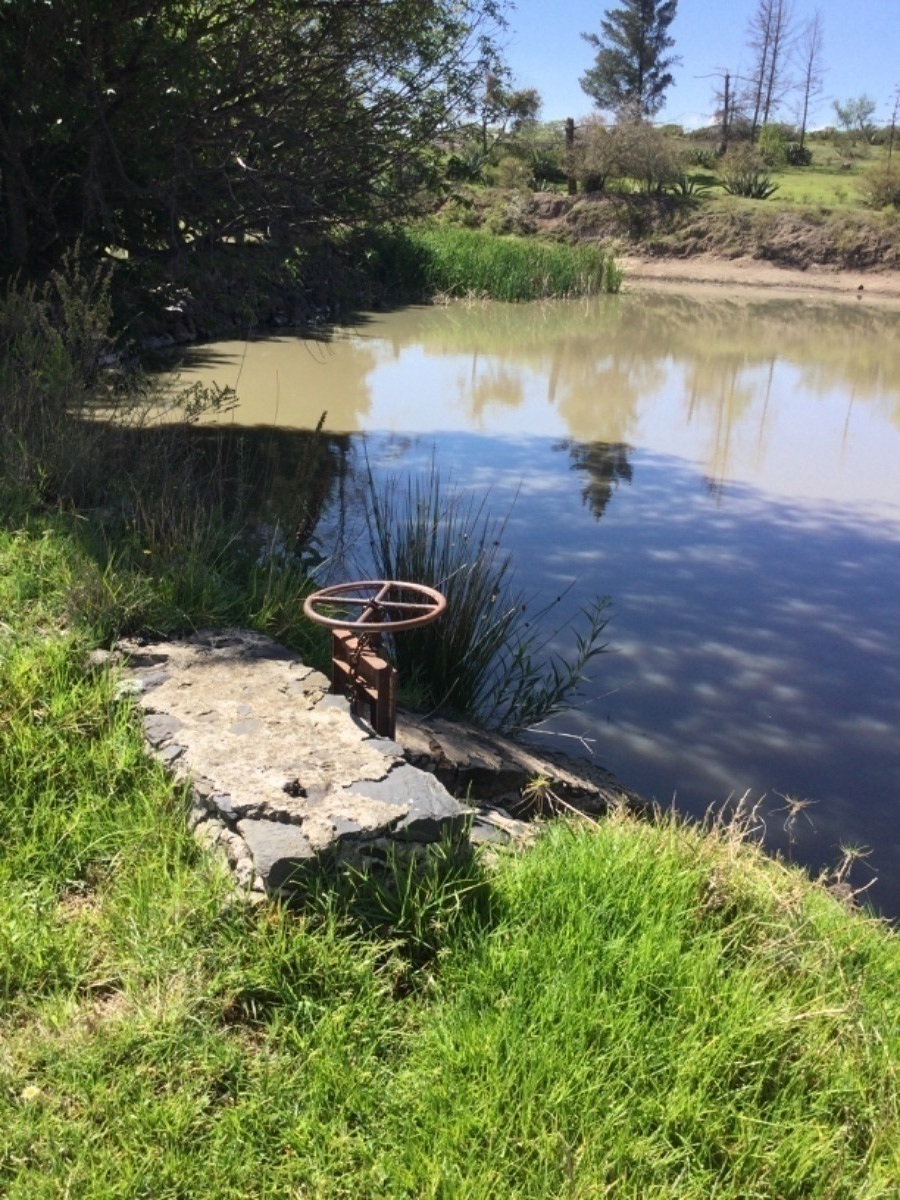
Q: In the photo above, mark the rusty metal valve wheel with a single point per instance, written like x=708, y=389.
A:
x=381, y=604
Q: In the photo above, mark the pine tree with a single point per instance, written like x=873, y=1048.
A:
x=631, y=72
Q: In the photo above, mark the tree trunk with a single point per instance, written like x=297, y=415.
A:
x=15, y=213
x=570, y=156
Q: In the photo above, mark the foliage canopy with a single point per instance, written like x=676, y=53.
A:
x=150, y=125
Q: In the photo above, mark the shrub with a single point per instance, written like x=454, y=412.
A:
x=513, y=173
x=594, y=159
x=705, y=157
x=773, y=146
x=797, y=155
x=645, y=154
x=880, y=185
x=627, y=150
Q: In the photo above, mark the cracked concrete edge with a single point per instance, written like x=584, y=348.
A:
x=498, y=770
x=263, y=854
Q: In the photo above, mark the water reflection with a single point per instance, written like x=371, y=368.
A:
x=725, y=469
x=755, y=645
x=792, y=395
x=605, y=465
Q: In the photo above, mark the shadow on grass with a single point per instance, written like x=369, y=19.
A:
x=413, y=906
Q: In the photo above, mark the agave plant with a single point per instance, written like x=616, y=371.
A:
x=688, y=185
x=743, y=173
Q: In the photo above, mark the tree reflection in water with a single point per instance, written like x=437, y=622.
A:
x=606, y=465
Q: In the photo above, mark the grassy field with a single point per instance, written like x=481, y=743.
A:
x=630, y=1010
x=818, y=185
x=835, y=178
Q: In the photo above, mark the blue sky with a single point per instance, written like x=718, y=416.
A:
x=862, y=52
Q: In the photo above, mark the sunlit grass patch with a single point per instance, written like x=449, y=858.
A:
x=641, y=1022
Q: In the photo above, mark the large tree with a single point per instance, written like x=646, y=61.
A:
x=631, y=71
x=150, y=125
x=855, y=116
x=503, y=108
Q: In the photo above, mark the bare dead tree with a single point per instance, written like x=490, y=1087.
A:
x=777, y=82
x=895, y=111
x=725, y=96
x=770, y=33
x=809, y=52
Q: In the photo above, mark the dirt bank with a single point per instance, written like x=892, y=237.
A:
x=707, y=270
x=716, y=241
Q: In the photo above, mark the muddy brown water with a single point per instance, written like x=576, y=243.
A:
x=726, y=469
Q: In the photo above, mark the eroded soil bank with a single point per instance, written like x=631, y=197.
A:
x=879, y=285
x=729, y=242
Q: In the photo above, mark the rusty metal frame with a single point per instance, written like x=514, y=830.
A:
x=367, y=680
x=358, y=671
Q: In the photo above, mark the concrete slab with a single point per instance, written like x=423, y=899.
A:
x=273, y=760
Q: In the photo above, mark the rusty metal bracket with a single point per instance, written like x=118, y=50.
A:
x=367, y=680
x=358, y=671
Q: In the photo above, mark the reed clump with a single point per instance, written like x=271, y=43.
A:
x=446, y=260
x=488, y=657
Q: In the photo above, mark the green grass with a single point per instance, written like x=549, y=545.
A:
x=454, y=261
x=818, y=186
x=833, y=180
x=827, y=185
x=629, y=1010
x=651, y=1016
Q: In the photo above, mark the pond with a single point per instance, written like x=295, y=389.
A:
x=726, y=469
